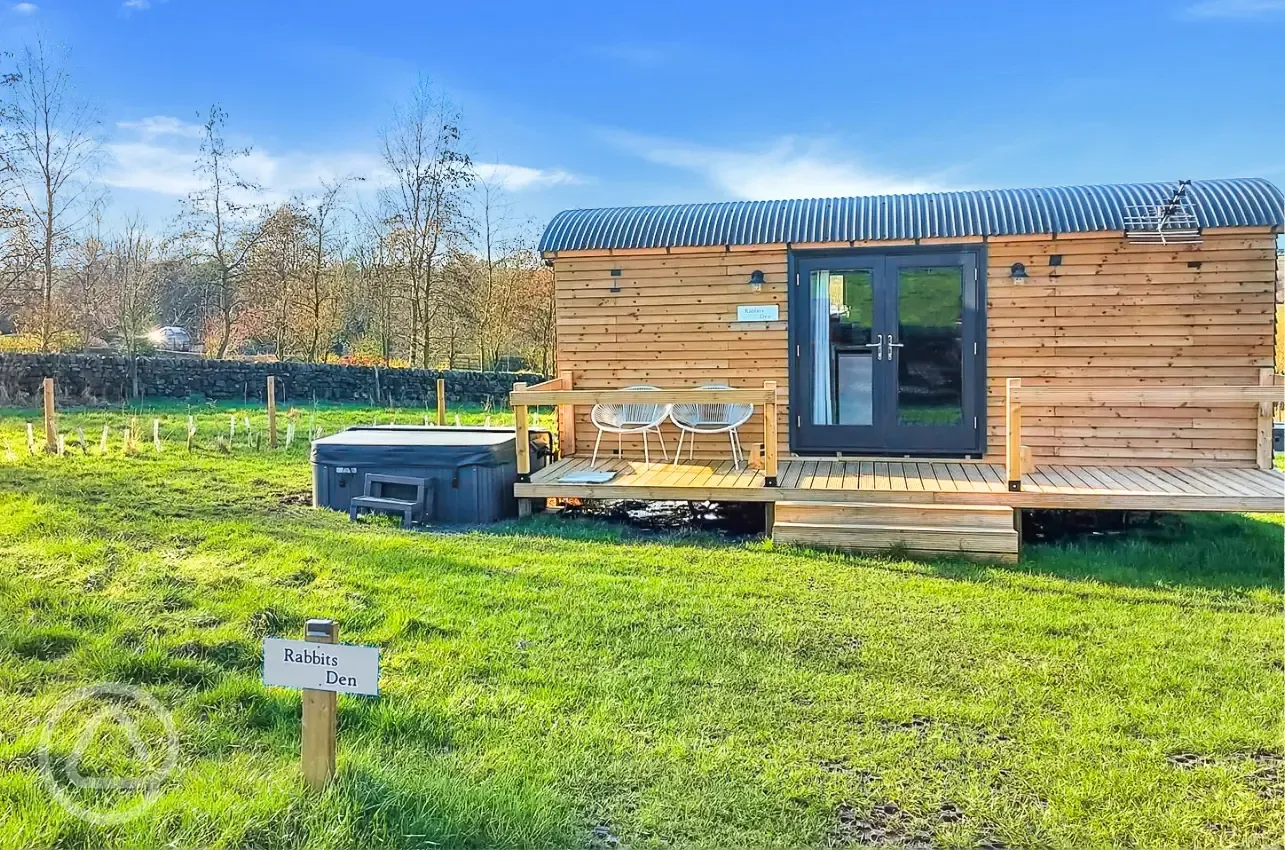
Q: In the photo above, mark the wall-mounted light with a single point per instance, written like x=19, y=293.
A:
x=756, y=280
x=1055, y=259
x=615, y=280
x=1017, y=273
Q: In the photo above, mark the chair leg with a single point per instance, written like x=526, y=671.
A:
x=660, y=439
x=740, y=450
x=620, y=444
x=731, y=439
x=691, y=453
x=646, y=450
x=596, y=443
x=679, y=452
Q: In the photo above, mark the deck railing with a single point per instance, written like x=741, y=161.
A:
x=557, y=392
x=1018, y=459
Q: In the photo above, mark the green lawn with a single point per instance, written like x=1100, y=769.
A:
x=564, y=684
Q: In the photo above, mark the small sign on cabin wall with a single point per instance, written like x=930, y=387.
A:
x=339, y=667
x=758, y=313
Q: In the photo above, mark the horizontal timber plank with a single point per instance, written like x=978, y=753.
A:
x=1163, y=396
x=691, y=396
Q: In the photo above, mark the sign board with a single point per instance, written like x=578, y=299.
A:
x=340, y=667
x=758, y=313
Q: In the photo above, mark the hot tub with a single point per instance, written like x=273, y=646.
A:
x=467, y=473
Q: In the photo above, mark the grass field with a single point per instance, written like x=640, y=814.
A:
x=569, y=684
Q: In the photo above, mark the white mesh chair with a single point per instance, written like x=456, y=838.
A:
x=631, y=418
x=711, y=419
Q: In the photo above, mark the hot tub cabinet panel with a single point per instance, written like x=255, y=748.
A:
x=470, y=472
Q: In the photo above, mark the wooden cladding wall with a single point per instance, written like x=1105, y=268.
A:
x=672, y=324
x=1117, y=314
x=1111, y=314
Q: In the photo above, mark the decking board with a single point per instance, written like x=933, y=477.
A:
x=1102, y=487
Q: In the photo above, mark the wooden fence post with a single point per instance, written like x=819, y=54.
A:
x=1013, y=434
x=1266, y=378
x=522, y=446
x=566, y=421
x=51, y=424
x=317, y=750
x=769, y=435
x=441, y=401
x=272, y=411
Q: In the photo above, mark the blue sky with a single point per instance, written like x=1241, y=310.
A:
x=601, y=104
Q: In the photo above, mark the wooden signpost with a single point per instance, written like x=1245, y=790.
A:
x=51, y=424
x=272, y=411
x=322, y=669
x=441, y=401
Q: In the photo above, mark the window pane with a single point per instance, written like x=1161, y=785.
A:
x=842, y=326
x=930, y=310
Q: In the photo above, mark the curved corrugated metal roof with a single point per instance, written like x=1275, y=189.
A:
x=1240, y=202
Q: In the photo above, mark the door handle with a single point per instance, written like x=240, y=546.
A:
x=879, y=347
x=892, y=345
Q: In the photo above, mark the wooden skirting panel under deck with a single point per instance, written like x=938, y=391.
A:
x=987, y=532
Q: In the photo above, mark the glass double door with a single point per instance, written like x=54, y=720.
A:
x=887, y=354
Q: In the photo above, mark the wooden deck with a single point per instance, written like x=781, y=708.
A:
x=928, y=481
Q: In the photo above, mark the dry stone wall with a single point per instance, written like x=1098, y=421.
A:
x=114, y=378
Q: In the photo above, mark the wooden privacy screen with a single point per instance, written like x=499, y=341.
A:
x=1108, y=314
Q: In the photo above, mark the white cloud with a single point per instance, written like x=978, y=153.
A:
x=162, y=125
x=136, y=5
x=24, y=8
x=156, y=154
x=789, y=167
x=1235, y=8
x=515, y=178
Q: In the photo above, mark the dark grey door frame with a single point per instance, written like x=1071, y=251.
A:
x=962, y=441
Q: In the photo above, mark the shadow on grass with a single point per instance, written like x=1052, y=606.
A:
x=1227, y=553
x=1230, y=554
x=402, y=805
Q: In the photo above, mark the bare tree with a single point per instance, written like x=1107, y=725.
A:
x=494, y=298
x=325, y=270
x=276, y=267
x=136, y=273
x=50, y=153
x=379, y=294
x=86, y=293
x=421, y=148
x=18, y=258
x=222, y=225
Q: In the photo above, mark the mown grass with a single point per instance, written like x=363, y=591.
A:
x=570, y=684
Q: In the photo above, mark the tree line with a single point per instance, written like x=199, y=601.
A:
x=422, y=263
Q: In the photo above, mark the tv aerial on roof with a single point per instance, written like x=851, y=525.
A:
x=1167, y=222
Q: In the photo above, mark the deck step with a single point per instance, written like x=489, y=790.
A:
x=897, y=513
x=980, y=532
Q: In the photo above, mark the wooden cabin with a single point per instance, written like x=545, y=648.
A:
x=923, y=367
